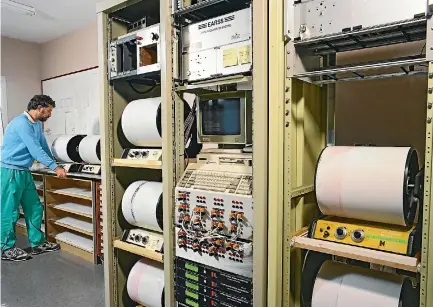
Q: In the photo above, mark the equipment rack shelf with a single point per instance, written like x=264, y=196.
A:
x=401, y=262
x=202, y=86
x=207, y=9
x=136, y=163
x=407, y=66
x=137, y=250
x=376, y=36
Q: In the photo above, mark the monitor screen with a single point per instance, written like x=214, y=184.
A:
x=221, y=116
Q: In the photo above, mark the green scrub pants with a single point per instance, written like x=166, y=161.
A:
x=18, y=187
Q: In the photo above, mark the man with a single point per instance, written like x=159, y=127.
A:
x=23, y=143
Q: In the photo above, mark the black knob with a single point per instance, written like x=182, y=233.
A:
x=155, y=36
x=326, y=234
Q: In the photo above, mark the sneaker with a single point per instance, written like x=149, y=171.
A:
x=45, y=247
x=15, y=254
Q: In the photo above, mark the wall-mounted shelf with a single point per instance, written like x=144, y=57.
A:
x=136, y=163
x=137, y=250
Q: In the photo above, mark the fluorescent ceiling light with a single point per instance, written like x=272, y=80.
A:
x=18, y=7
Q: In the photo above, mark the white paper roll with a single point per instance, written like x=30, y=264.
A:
x=140, y=123
x=342, y=285
x=142, y=205
x=90, y=149
x=366, y=183
x=66, y=148
x=146, y=284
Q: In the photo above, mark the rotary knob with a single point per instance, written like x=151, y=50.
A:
x=145, y=240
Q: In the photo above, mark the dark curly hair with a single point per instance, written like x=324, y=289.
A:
x=40, y=100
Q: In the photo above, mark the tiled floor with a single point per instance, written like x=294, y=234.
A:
x=53, y=279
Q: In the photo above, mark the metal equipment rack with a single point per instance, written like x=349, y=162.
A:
x=304, y=96
x=116, y=175
x=172, y=92
x=116, y=18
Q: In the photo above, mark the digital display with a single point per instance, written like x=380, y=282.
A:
x=191, y=267
x=192, y=286
x=190, y=276
x=221, y=116
x=191, y=303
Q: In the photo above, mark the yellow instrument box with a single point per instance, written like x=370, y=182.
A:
x=384, y=237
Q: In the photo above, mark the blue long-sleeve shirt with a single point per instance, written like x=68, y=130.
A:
x=23, y=143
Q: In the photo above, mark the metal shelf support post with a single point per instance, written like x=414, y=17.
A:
x=261, y=170
x=426, y=295
x=169, y=170
x=277, y=123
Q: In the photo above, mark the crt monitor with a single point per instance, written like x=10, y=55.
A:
x=225, y=118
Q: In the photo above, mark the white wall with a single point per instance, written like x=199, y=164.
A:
x=72, y=52
x=20, y=65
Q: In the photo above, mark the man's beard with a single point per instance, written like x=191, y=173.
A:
x=43, y=119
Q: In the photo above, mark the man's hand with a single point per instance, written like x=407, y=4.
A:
x=60, y=172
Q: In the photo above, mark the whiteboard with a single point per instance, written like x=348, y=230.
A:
x=77, y=104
